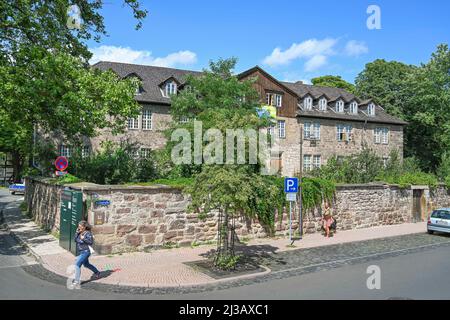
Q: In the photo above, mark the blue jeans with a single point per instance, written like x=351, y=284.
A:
x=83, y=259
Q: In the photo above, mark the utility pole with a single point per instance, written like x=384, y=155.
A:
x=300, y=213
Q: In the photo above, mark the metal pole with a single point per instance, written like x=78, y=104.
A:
x=300, y=213
x=290, y=220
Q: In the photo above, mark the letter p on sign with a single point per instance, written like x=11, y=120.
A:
x=290, y=185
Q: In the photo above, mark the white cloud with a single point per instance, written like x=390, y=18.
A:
x=128, y=55
x=315, y=62
x=307, y=49
x=355, y=48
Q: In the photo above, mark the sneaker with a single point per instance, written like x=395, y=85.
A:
x=96, y=276
x=75, y=285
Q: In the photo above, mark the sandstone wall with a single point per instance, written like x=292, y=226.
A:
x=136, y=218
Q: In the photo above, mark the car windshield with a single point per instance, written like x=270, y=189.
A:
x=441, y=214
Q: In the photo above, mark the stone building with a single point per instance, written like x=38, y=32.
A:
x=313, y=123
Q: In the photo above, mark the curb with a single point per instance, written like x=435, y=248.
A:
x=20, y=240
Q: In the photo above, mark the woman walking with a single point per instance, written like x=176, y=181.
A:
x=84, y=239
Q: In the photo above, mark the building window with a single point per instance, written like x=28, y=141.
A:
x=306, y=162
x=145, y=153
x=85, y=151
x=344, y=132
x=278, y=100
x=133, y=123
x=381, y=135
x=273, y=99
x=65, y=150
x=311, y=130
x=171, y=88
x=316, y=161
x=353, y=107
x=371, y=109
x=339, y=106
x=308, y=103
x=323, y=104
x=281, y=129
x=271, y=130
x=146, y=119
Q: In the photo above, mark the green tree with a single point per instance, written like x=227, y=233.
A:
x=333, y=81
x=418, y=94
x=221, y=101
x=45, y=80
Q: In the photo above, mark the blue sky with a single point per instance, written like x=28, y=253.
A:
x=292, y=40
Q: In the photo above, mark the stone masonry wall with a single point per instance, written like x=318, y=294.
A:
x=137, y=218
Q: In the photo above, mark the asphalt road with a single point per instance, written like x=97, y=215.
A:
x=423, y=274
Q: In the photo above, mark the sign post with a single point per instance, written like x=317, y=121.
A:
x=291, y=189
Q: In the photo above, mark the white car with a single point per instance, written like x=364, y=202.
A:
x=439, y=220
x=17, y=188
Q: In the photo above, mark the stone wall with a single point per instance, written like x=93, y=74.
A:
x=136, y=218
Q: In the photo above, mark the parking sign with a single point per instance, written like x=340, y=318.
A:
x=290, y=185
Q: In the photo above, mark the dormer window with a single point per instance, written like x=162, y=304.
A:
x=353, y=109
x=339, y=106
x=308, y=103
x=170, y=88
x=371, y=109
x=323, y=104
x=139, y=90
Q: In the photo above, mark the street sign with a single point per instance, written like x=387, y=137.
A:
x=61, y=163
x=291, y=185
x=291, y=196
x=60, y=173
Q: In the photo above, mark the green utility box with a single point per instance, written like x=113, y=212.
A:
x=71, y=214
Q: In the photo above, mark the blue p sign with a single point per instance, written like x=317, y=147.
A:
x=290, y=184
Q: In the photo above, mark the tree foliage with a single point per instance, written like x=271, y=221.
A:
x=45, y=80
x=333, y=81
x=418, y=94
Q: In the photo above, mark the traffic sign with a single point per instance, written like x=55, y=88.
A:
x=291, y=185
x=60, y=173
x=61, y=163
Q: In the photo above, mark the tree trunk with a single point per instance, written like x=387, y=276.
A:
x=17, y=166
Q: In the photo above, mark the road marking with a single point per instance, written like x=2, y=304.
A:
x=360, y=257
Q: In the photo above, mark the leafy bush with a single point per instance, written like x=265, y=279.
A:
x=68, y=178
x=114, y=164
x=315, y=191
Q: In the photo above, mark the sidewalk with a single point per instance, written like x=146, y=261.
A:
x=166, y=267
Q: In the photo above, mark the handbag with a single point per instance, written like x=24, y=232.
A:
x=91, y=250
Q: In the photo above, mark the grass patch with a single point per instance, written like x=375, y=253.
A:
x=170, y=245
x=196, y=244
x=66, y=179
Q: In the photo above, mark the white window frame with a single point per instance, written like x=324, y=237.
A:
x=133, y=123
x=317, y=161
x=145, y=153
x=307, y=162
x=65, y=150
x=278, y=100
x=281, y=129
x=269, y=98
x=340, y=106
x=343, y=129
x=323, y=104
x=381, y=135
x=311, y=130
x=147, y=119
x=85, y=151
x=371, y=109
x=170, y=88
x=353, y=109
x=308, y=103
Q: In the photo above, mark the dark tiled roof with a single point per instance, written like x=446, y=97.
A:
x=151, y=78
x=334, y=94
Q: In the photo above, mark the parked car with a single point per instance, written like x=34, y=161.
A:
x=439, y=220
x=17, y=188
